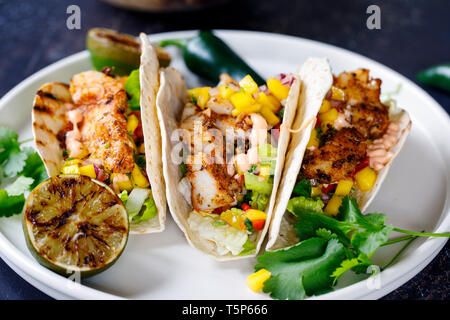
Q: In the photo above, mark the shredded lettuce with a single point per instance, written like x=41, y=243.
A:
x=147, y=212
x=298, y=204
x=123, y=196
x=249, y=248
x=133, y=88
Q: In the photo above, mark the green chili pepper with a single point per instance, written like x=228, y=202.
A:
x=436, y=76
x=208, y=56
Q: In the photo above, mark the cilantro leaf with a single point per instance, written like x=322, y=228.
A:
x=10, y=205
x=303, y=269
x=303, y=188
x=34, y=168
x=20, y=186
x=8, y=143
x=14, y=164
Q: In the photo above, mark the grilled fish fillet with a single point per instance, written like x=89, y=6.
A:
x=340, y=152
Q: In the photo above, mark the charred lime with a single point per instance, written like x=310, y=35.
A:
x=75, y=224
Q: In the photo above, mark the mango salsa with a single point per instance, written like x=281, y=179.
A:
x=88, y=170
x=344, y=187
x=132, y=123
x=71, y=169
x=366, y=179
x=256, y=280
x=313, y=140
x=225, y=91
x=138, y=178
x=248, y=84
x=242, y=100
x=268, y=101
x=270, y=117
x=326, y=105
x=337, y=94
x=200, y=96
x=278, y=89
x=333, y=205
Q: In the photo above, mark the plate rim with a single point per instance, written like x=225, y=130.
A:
x=43, y=278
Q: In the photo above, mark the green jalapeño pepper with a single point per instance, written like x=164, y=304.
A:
x=109, y=48
x=436, y=76
x=208, y=56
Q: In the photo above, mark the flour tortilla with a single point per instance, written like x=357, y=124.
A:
x=53, y=101
x=316, y=78
x=171, y=100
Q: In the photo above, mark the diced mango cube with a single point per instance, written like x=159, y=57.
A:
x=200, y=96
x=256, y=280
x=270, y=117
x=72, y=162
x=225, y=91
x=248, y=84
x=337, y=94
x=344, y=187
x=366, y=179
x=242, y=100
x=254, y=214
x=326, y=105
x=122, y=181
x=234, y=218
x=313, y=140
x=72, y=169
x=88, y=170
x=278, y=89
x=142, y=148
x=264, y=171
x=268, y=101
x=132, y=123
x=328, y=117
x=316, y=191
x=333, y=205
x=138, y=178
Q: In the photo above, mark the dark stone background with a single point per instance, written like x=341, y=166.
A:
x=415, y=34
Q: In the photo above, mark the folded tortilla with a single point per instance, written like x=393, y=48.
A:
x=316, y=78
x=171, y=99
x=53, y=101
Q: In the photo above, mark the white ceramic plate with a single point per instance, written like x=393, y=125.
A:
x=415, y=195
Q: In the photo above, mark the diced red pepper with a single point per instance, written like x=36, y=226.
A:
x=361, y=165
x=329, y=188
x=258, y=224
x=245, y=207
x=241, y=179
x=318, y=123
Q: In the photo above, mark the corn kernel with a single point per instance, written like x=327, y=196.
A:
x=270, y=117
x=344, y=187
x=88, y=170
x=315, y=191
x=248, y=84
x=72, y=169
x=138, y=178
x=242, y=100
x=337, y=94
x=366, y=179
x=256, y=280
x=278, y=89
x=313, y=140
x=200, y=96
x=225, y=91
x=333, y=205
x=326, y=105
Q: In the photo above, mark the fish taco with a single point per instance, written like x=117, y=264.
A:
x=105, y=127
x=223, y=153
x=350, y=141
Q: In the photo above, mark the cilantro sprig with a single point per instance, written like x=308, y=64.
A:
x=328, y=248
x=23, y=169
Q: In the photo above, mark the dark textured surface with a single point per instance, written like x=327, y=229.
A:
x=414, y=35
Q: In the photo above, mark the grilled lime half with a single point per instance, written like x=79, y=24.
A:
x=75, y=224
